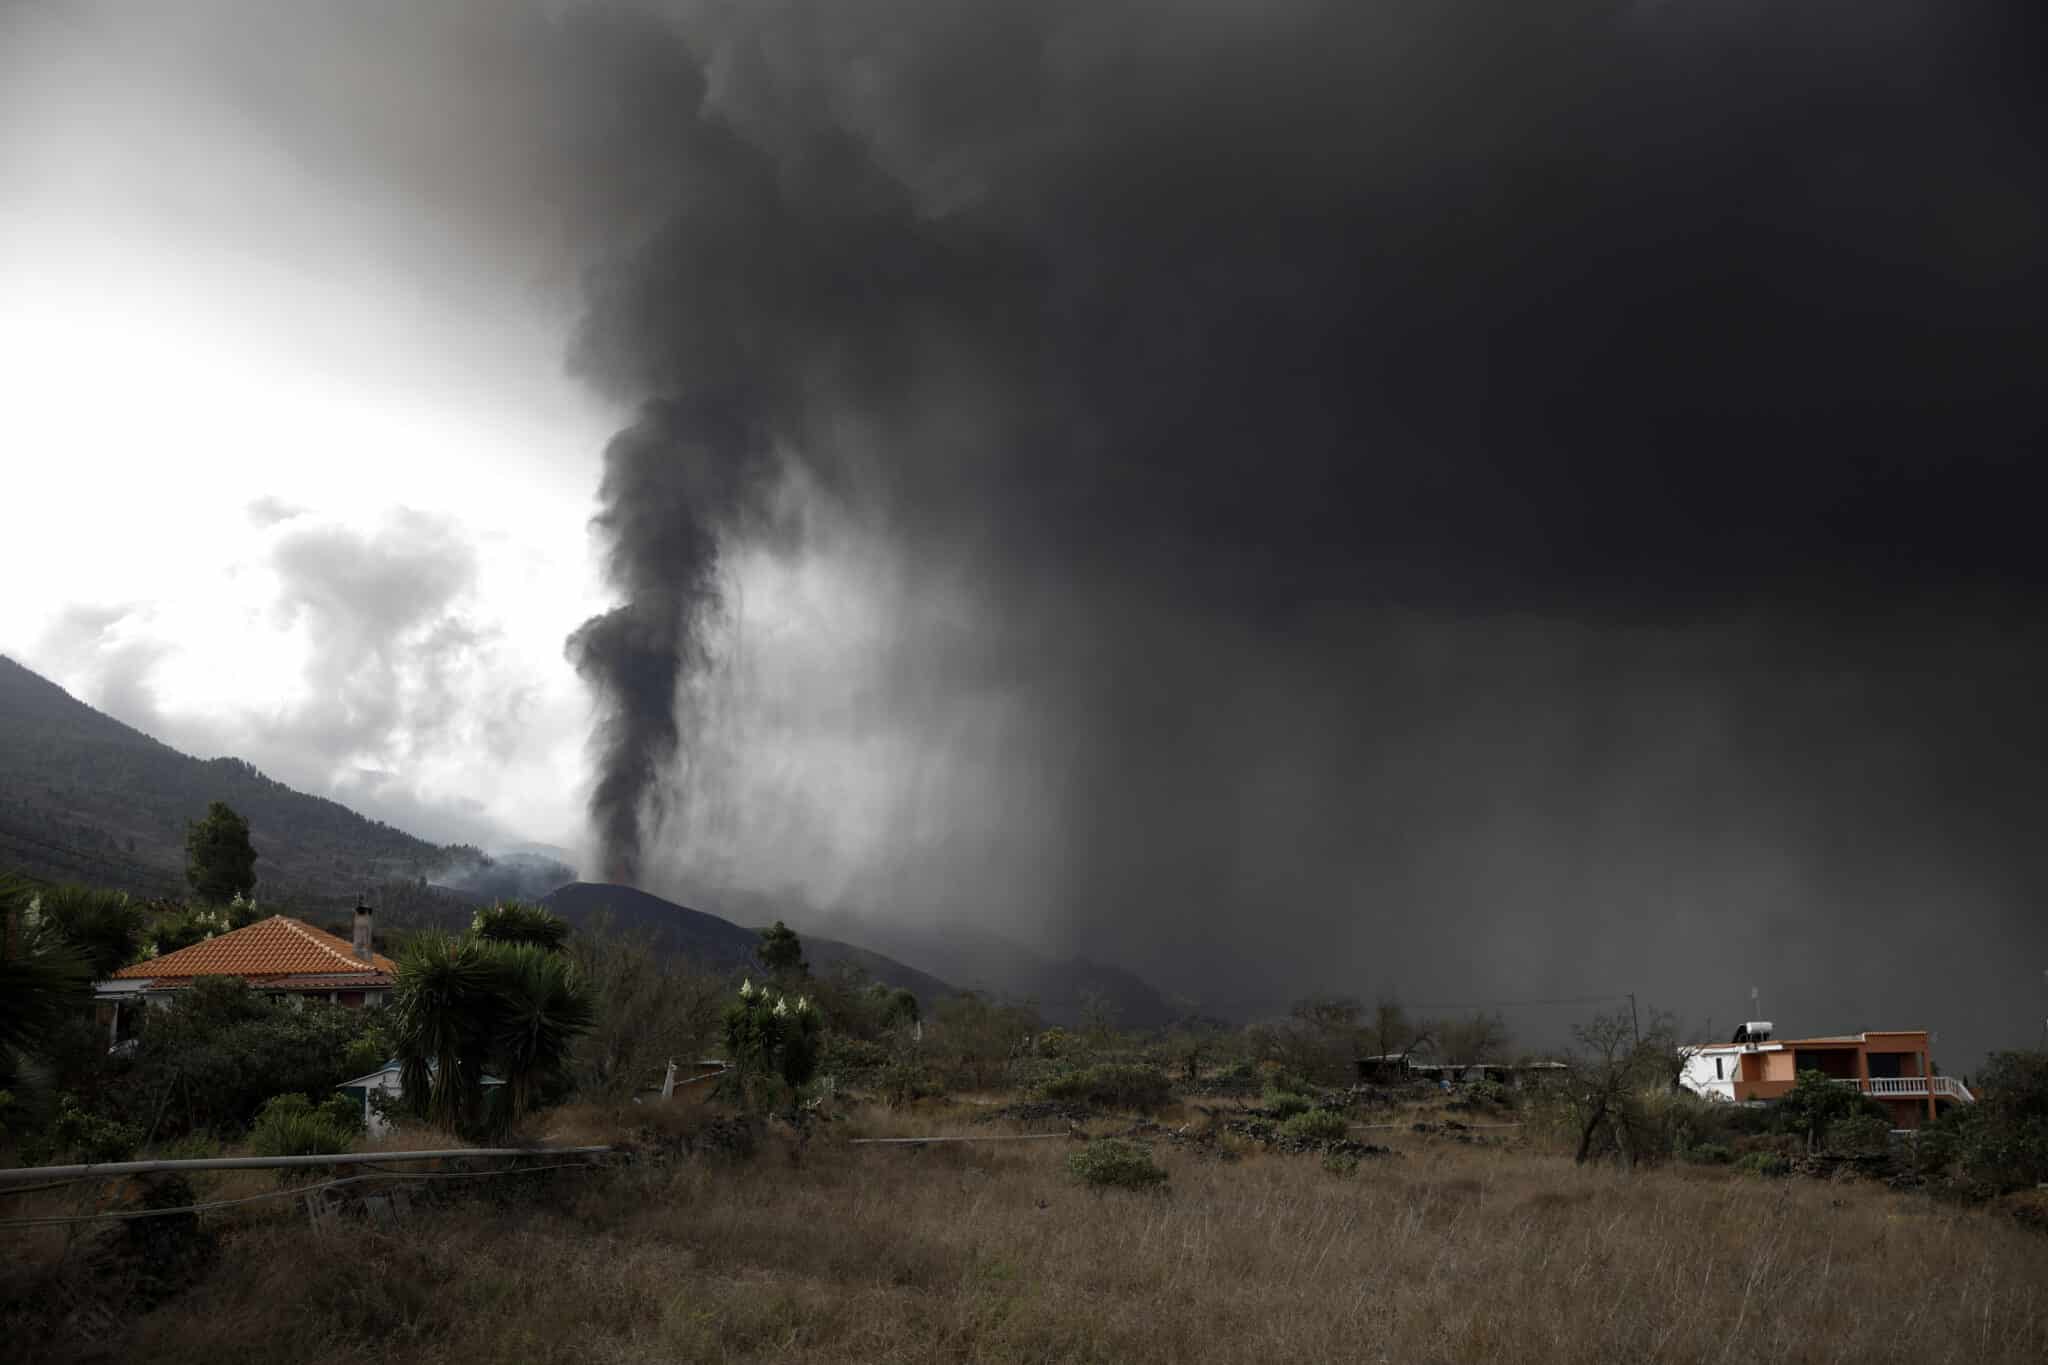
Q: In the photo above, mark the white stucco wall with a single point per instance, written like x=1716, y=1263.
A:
x=1699, y=1077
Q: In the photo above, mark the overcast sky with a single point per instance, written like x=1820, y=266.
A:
x=1464, y=501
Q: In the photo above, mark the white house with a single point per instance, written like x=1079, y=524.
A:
x=386, y=1080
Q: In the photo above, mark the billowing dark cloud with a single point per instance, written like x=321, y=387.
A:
x=1453, y=499
x=1418, y=451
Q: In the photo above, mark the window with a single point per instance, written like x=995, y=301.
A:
x=1717, y=1070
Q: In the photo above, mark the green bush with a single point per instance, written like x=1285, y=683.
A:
x=1817, y=1102
x=222, y=1050
x=1932, y=1151
x=1110, y=1163
x=2002, y=1140
x=1490, y=1093
x=1286, y=1104
x=1113, y=1084
x=1239, y=1078
x=1315, y=1125
x=843, y=1056
x=1859, y=1135
x=292, y=1125
x=1765, y=1163
x=905, y=1081
x=1341, y=1164
x=1032, y=1073
x=76, y=1132
x=1706, y=1154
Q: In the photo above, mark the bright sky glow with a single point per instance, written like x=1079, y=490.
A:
x=176, y=415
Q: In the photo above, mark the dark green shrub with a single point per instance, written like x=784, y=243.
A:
x=2002, y=1140
x=1489, y=1093
x=1239, y=1078
x=1765, y=1163
x=212, y=1059
x=1859, y=1135
x=1315, y=1125
x=87, y=1136
x=843, y=1056
x=906, y=1080
x=1339, y=1163
x=1110, y=1163
x=518, y=922
x=292, y=1125
x=1286, y=1104
x=1032, y=1073
x=1706, y=1154
x=1932, y=1151
x=1112, y=1084
x=1816, y=1102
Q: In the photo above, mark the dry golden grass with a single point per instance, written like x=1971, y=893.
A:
x=991, y=1253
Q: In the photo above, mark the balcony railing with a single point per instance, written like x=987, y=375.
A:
x=1911, y=1087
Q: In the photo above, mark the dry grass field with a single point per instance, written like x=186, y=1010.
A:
x=992, y=1252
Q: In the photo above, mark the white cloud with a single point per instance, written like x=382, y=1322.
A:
x=272, y=492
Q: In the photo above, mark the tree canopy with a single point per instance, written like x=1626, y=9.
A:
x=465, y=1005
x=781, y=951
x=220, y=862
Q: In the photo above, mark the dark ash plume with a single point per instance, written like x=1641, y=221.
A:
x=677, y=481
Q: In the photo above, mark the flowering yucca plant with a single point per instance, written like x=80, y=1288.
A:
x=771, y=1038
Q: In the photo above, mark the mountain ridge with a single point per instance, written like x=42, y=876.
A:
x=719, y=943
x=86, y=797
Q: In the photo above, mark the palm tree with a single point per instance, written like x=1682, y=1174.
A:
x=518, y=922
x=442, y=1008
x=43, y=978
x=106, y=926
x=464, y=1004
x=542, y=1004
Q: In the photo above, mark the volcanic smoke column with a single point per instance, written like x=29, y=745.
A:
x=684, y=476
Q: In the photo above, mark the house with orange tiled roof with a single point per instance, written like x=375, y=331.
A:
x=279, y=955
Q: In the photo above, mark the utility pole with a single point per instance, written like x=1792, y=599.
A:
x=1634, y=1024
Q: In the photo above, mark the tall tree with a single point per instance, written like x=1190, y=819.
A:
x=220, y=862
x=1610, y=1075
x=781, y=951
x=648, y=1012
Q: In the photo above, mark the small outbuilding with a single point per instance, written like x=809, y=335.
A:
x=386, y=1080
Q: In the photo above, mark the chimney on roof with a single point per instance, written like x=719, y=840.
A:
x=362, y=943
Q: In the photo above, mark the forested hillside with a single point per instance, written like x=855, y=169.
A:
x=85, y=798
